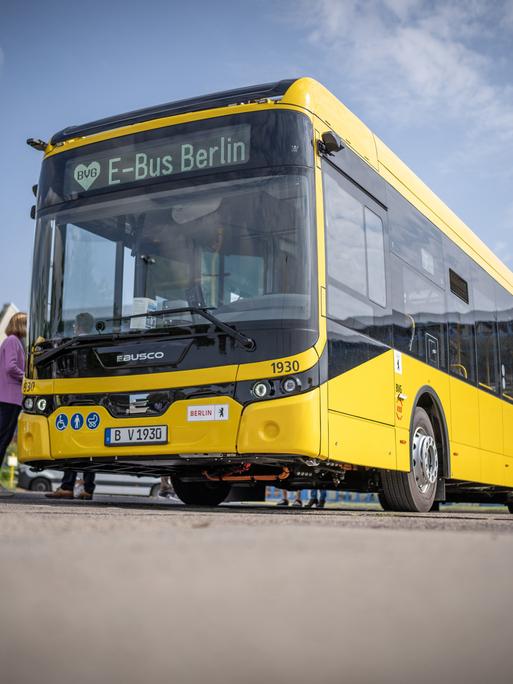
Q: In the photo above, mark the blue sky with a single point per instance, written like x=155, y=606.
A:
x=433, y=79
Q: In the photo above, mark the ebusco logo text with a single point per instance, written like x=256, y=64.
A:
x=85, y=175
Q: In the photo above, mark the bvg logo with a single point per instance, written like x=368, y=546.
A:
x=141, y=356
x=86, y=175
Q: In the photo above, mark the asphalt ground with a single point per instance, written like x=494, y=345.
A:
x=132, y=590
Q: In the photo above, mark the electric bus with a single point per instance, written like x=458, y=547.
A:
x=248, y=289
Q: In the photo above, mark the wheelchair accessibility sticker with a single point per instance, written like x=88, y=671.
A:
x=92, y=421
x=77, y=421
x=61, y=422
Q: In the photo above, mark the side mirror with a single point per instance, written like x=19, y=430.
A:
x=33, y=211
x=330, y=143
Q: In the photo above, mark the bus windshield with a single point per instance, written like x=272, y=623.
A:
x=242, y=247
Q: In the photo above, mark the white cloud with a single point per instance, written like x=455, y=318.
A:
x=411, y=61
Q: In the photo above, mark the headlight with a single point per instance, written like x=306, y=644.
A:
x=41, y=404
x=28, y=403
x=261, y=389
x=291, y=384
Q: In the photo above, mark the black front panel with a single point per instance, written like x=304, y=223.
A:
x=204, y=351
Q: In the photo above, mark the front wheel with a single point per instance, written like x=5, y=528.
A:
x=200, y=493
x=415, y=491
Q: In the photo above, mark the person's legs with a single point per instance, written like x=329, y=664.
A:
x=312, y=501
x=69, y=477
x=89, y=479
x=66, y=487
x=8, y=420
x=322, y=496
x=297, y=501
x=284, y=498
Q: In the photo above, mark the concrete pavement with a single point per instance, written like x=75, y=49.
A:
x=126, y=591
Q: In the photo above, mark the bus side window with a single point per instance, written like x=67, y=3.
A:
x=461, y=350
x=506, y=346
x=484, y=309
x=505, y=326
x=462, y=347
x=418, y=306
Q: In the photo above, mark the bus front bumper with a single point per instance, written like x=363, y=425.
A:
x=289, y=425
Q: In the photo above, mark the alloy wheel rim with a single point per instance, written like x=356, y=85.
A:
x=425, y=460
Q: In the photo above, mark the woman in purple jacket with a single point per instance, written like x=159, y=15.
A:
x=12, y=367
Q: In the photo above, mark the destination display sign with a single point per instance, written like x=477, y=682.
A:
x=204, y=150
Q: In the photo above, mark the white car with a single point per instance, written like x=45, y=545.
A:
x=128, y=485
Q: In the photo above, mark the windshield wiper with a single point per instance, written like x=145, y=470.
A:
x=44, y=356
x=246, y=342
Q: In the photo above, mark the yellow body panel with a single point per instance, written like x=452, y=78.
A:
x=465, y=462
x=365, y=391
x=362, y=442
x=465, y=413
x=282, y=426
x=33, y=438
x=507, y=428
x=497, y=469
x=490, y=423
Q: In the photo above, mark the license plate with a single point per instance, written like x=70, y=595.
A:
x=149, y=434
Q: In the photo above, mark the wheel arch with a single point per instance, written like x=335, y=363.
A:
x=428, y=399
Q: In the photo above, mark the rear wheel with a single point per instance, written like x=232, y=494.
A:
x=415, y=491
x=40, y=484
x=510, y=507
x=200, y=493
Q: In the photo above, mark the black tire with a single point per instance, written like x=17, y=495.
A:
x=383, y=501
x=510, y=507
x=40, y=484
x=415, y=491
x=200, y=493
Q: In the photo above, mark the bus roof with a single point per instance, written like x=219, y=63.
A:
x=264, y=91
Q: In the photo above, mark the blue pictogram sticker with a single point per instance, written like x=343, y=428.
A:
x=61, y=422
x=76, y=421
x=92, y=421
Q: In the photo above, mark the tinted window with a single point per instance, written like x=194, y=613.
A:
x=355, y=247
x=419, y=307
x=345, y=234
x=483, y=288
x=415, y=239
x=505, y=322
x=375, y=257
x=462, y=354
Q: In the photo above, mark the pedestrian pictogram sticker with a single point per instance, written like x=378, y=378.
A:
x=77, y=421
x=61, y=422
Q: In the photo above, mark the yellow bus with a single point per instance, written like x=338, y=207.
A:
x=249, y=289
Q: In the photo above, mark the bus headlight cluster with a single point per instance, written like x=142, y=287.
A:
x=263, y=389
x=41, y=405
